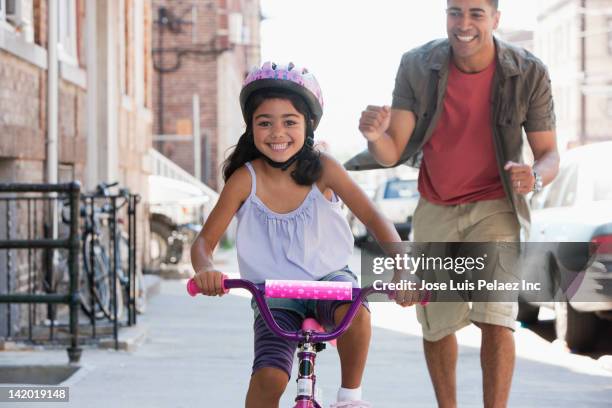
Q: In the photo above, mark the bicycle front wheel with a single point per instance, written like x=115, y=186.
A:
x=99, y=285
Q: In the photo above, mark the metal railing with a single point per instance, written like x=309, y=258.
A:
x=164, y=167
x=46, y=193
x=89, y=232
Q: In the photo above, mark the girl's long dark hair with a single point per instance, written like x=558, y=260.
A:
x=308, y=167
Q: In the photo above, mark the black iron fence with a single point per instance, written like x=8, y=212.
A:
x=40, y=198
x=89, y=264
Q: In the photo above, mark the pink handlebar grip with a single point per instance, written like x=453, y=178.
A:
x=193, y=290
x=192, y=287
x=426, y=298
x=318, y=290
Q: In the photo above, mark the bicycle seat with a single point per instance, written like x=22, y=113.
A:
x=310, y=324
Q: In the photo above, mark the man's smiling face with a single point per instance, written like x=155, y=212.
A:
x=470, y=25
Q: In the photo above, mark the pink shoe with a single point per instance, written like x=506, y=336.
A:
x=351, y=404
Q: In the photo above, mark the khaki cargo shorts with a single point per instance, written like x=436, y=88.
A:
x=483, y=221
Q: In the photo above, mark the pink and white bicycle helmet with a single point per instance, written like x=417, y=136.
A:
x=288, y=77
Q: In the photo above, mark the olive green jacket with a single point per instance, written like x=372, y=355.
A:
x=521, y=99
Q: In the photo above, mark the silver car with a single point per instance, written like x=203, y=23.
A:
x=396, y=198
x=577, y=208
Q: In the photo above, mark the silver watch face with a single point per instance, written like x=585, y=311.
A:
x=537, y=186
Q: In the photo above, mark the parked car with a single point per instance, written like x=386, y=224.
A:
x=577, y=208
x=396, y=198
x=177, y=210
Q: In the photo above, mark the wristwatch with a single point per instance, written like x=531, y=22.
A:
x=537, y=186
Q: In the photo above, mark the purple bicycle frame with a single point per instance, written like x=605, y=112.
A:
x=306, y=380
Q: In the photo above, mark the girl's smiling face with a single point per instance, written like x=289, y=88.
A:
x=279, y=130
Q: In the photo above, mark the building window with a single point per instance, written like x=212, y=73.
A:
x=19, y=15
x=236, y=26
x=67, y=35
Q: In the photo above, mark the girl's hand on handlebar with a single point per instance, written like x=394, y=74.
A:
x=210, y=282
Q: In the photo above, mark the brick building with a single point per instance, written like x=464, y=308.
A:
x=94, y=98
x=203, y=48
x=574, y=39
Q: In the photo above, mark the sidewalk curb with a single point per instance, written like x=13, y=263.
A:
x=129, y=338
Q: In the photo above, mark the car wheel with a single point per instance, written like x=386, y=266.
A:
x=527, y=313
x=579, y=330
x=158, y=247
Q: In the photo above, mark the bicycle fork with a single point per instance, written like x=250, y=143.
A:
x=306, y=380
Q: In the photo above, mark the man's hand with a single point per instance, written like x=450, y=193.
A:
x=521, y=177
x=210, y=283
x=374, y=122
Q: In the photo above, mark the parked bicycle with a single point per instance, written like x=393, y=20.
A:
x=97, y=245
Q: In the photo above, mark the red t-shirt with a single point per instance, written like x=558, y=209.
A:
x=459, y=164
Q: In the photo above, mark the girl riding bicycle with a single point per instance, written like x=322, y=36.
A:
x=287, y=228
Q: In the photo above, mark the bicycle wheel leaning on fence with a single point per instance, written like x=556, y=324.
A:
x=101, y=278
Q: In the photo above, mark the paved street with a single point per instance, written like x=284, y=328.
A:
x=198, y=353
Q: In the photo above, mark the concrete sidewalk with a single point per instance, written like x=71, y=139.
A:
x=198, y=352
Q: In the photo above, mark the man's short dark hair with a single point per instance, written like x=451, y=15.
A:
x=494, y=3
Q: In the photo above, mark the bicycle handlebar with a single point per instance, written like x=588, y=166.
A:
x=102, y=188
x=301, y=290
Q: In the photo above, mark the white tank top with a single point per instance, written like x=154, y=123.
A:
x=305, y=244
